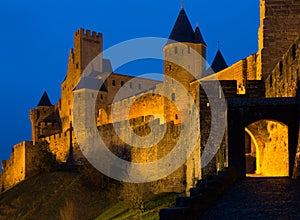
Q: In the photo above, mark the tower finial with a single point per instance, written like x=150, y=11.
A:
x=218, y=45
x=197, y=25
x=182, y=4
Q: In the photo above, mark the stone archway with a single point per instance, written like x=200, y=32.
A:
x=252, y=154
x=269, y=148
x=242, y=112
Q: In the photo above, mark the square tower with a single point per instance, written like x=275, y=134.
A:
x=279, y=27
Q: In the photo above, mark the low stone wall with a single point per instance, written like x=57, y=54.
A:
x=14, y=169
x=202, y=197
x=59, y=145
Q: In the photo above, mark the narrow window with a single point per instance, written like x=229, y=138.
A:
x=170, y=67
x=122, y=83
x=140, y=86
x=173, y=97
x=101, y=96
x=280, y=68
x=77, y=65
x=176, y=117
x=175, y=50
x=114, y=82
x=294, y=51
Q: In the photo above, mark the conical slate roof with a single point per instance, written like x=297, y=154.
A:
x=183, y=30
x=198, y=39
x=219, y=62
x=45, y=101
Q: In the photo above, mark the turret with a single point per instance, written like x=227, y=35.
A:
x=185, y=51
x=44, y=119
x=185, y=61
x=218, y=63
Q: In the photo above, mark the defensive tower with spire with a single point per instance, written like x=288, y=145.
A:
x=184, y=53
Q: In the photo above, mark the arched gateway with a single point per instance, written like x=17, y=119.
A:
x=244, y=111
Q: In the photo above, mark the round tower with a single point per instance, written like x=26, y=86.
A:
x=184, y=61
x=185, y=52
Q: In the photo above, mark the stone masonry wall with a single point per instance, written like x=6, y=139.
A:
x=279, y=27
x=183, y=177
x=220, y=159
x=272, y=153
x=59, y=145
x=87, y=45
x=14, y=169
x=241, y=71
x=282, y=82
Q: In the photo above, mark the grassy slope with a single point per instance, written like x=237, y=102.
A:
x=122, y=210
x=63, y=194
x=47, y=196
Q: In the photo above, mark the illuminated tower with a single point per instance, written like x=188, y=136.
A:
x=185, y=51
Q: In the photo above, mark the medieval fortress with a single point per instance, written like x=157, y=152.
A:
x=272, y=72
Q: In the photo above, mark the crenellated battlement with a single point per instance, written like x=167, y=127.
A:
x=14, y=169
x=88, y=33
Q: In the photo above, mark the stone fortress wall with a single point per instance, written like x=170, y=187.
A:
x=17, y=168
x=278, y=30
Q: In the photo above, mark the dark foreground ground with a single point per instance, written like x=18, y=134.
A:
x=259, y=198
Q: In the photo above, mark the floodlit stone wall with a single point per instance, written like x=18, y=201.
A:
x=279, y=27
x=14, y=169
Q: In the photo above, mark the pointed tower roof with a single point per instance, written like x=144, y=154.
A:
x=182, y=30
x=45, y=101
x=198, y=39
x=219, y=62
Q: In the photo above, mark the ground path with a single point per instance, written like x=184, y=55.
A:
x=259, y=198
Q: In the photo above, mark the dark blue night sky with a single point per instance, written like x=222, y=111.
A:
x=36, y=37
